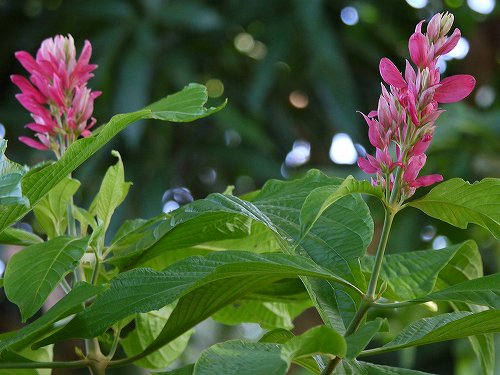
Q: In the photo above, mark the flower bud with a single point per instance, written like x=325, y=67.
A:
x=446, y=23
x=433, y=28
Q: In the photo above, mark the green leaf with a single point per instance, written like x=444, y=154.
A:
x=354, y=367
x=203, y=284
x=484, y=291
x=19, y=236
x=35, y=271
x=459, y=203
x=51, y=211
x=414, y=274
x=69, y=304
x=113, y=191
x=320, y=199
x=10, y=179
x=362, y=337
x=443, y=327
x=269, y=315
x=147, y=328
x=186, y=105
x=241, y=357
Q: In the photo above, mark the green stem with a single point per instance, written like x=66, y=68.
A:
x=369, y=297
x=395, y=305
x=20, y=365
x=379, y=256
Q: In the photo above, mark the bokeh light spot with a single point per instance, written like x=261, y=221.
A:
x=440, y=242
x=482, y=6
x=244, y=42
x=342, y=150
x=215, y=87
x=298, y=99
x=417, y=4
x=485, y=96
x=300, y=154
x=349, y=15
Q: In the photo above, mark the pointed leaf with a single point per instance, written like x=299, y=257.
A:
x=112, y=192
x=28, y=283
x=443, y=327
x=414, y=274
x=365, y=368
x=19, y=236
x=320, y=199
x=197, y=281
x=459, y=203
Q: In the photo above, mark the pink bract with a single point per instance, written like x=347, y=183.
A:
x=407, y=111
x=56, y=93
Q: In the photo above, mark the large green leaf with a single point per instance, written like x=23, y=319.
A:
x=203, y=284
x=50, y=212
x=459, y=203
x=186, y=105
x=147, y=328
x=19, y=236
x=443, y=327
x=250, y=358
x=337, y=241
x=414, y=274
x=320, y=199
x=112, y=192
x=10, y=179
x=69, y=304
x=35, y=271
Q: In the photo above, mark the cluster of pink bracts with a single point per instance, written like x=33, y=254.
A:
x=406, y=114
x=56, y=94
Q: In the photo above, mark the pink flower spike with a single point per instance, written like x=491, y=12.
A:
x=455, y=88
x=419, y=49
x=422, y=145
x=390, y=73
x=415, y=165
x=32, y=143
x=27, y=61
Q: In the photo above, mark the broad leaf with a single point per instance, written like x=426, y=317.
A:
x=69, y=304
x=35, y=271
x=203, y=284
x=186, y=105
x=186, y=370
x=443, y=327
x=320, y=199
x=19, y=236
x=240, y=357
x=147, y=328
x=10, y=179
x=414, y=274
x=113, y=191
x=459, y=203
x=51, y=211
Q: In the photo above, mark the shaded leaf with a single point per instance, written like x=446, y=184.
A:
x=459, y=203
x=10, y=179
x=357, y=341
x=35, y=271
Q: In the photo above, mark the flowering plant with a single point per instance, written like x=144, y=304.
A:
x=264, y=257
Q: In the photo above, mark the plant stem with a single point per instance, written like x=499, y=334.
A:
x=369, y=297
x=66, y=364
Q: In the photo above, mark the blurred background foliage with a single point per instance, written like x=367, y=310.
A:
x=295, y=73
